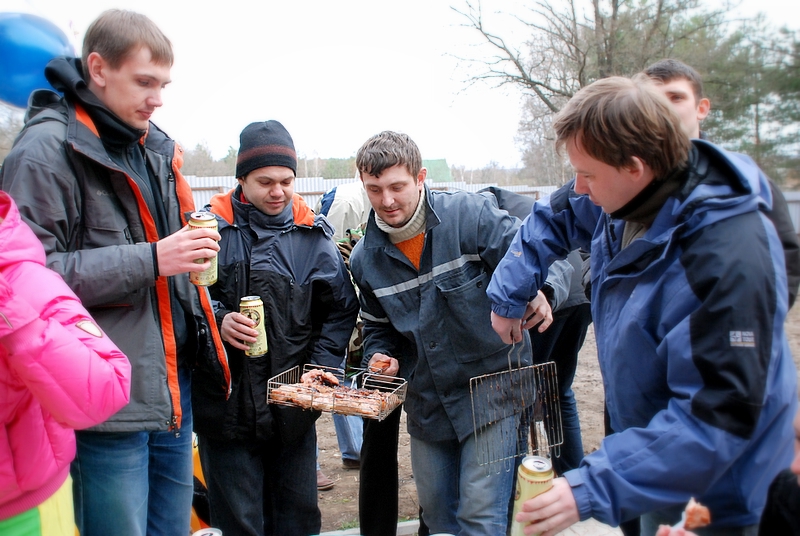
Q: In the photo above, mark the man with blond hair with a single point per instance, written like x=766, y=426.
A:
x=101, y=187
x=688, y=300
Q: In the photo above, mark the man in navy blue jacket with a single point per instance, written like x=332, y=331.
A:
x=688, y=299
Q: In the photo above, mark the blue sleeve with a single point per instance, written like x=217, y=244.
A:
x=557, y=225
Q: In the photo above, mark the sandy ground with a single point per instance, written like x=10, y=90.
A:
x=340, y=505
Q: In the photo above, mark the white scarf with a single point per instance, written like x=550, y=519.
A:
x=412, y=228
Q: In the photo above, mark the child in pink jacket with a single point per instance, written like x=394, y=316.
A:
x=58, y=372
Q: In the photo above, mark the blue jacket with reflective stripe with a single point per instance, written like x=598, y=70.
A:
x=699, y=381
x=435, y=320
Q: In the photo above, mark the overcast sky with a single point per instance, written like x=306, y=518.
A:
x=334, y=72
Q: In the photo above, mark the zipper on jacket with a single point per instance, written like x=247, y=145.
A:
x=174, y=425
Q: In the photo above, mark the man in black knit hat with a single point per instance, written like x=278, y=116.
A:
x=101, y=187
x=259, y=459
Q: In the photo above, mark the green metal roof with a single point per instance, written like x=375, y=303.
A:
x=438, y=170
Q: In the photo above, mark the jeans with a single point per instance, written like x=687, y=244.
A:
x=561, y=343
x=135, y=483
x=457, y=495
x=260, y=488
x=671, y=515
x=349, y=435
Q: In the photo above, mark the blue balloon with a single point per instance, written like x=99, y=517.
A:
x=27, y=44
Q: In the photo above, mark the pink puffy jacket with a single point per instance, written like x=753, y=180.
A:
x=58, y=371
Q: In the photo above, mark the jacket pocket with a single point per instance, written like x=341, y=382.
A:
x=467, y=321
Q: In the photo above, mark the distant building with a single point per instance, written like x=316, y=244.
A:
x=438, y=170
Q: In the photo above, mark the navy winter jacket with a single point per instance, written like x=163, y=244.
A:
x=699, y=381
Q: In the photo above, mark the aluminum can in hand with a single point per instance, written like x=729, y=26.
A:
x=534, y=477
x=253, y=308
x=204, y=220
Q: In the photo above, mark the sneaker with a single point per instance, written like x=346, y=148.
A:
x=323, y=482
x=348, y=463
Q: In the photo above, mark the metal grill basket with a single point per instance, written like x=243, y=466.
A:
x=530, y=425
x=285, y=389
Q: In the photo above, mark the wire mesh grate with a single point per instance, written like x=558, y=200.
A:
x=529, y=425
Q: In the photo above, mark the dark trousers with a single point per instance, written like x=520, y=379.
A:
x=260, y=488
x=561, y=343
x=378, y=489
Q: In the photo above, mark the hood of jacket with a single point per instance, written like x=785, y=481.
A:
x=66, y=76
x=90, y=124
x=19, y=242
x=719, y=185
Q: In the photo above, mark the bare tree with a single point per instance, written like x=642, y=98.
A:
x=200, y=162
x=543, y=165
x=572, y=43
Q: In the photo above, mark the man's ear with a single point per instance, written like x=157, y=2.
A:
x=96, y=66
x=703, y=108
x=636, y=169
x=423, y=172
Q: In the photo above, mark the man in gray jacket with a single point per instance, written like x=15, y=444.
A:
x=422, y=269
x=101, y=187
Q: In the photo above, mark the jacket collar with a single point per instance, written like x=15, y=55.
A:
x=227, y=206
x=374, y=237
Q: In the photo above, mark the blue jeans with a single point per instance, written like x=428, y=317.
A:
x=457, y=495
x=349, y=435
x=260, y=488
x=135, y=483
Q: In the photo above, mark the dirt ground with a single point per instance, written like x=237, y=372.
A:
x=340, y=505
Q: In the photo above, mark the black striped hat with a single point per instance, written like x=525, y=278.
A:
x=265, y=143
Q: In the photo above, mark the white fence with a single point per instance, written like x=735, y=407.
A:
x=312, y=188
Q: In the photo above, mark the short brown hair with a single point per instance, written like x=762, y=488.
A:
x=616, y=119
x=665, y=71
x=386, y=150
x=116, y=34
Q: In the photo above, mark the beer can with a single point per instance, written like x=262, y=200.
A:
x=253, y=308
x=204, y=220
x=534, y=477
x=208, y=532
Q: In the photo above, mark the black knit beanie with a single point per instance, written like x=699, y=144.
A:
x=266, y=143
